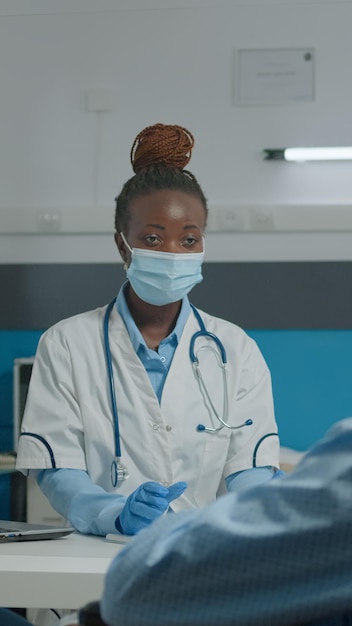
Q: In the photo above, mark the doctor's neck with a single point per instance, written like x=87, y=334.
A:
x=154, y=322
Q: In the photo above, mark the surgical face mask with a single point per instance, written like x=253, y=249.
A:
x=163, y=277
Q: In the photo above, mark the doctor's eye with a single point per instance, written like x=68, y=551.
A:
x=190, y=241
x=152, y=240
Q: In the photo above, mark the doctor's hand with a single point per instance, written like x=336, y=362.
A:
x=148, y=502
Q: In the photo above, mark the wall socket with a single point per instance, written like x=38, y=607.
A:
x=262, y=219
x=230, y=219
x=49, y=221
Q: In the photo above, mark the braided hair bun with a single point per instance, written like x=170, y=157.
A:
x=168, y=144
x=158, y=156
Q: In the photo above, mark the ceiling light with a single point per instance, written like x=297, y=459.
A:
x=308, y=154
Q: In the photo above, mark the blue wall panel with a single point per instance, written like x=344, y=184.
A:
x=299, y=313
x=312, y=375
x=4, y=496
x=13, y=344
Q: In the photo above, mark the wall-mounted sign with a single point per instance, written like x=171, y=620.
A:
x=274, y=76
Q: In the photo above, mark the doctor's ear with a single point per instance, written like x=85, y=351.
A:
x=122, y=248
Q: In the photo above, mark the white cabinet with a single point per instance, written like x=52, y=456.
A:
x=39, y=510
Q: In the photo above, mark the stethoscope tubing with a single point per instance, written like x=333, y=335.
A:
x=203, y=332
x=117, y=469
x=111, y=378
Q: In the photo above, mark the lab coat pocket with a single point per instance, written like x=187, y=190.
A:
x=211, y=468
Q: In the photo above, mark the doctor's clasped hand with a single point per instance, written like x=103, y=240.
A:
x=132, y=401
x=146, y=504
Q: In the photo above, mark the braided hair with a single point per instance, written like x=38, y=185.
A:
x=159, y=155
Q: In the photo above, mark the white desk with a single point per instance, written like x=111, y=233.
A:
x=56, y=573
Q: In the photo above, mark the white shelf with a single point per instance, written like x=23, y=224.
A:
x=222, y=219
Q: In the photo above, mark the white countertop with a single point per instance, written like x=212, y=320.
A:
x=55, y=573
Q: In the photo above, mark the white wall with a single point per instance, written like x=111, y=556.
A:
x=172, y=62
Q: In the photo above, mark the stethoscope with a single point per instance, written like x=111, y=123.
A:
x=222, y=359
x=119, y=472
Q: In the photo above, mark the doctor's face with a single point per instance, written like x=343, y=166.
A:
x=165, y=220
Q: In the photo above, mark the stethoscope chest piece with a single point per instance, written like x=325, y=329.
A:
x=119, y=472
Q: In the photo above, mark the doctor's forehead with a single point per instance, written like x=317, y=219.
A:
x=167, y=205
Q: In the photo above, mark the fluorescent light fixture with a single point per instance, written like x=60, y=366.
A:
x=309, y=154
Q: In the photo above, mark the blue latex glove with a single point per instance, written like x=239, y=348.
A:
x=278, y=473
x=148, y=502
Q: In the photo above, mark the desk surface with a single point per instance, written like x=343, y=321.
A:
x=54, y=573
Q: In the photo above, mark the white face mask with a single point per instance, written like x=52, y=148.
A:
x=163, y=277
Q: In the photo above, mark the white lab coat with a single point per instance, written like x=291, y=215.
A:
x=68, y=407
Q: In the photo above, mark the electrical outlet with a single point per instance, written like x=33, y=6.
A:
x=262, y=219
x=49, y=221
x=230, y=219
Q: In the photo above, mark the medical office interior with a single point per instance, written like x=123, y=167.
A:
x=80, y=78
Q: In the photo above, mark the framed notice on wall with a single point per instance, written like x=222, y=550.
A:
x=274, y=76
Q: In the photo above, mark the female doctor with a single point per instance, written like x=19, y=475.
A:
x=149, y=405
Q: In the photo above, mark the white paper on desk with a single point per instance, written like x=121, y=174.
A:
x=118, y=538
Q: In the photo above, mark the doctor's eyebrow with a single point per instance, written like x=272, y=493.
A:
x=191, y=226
x=155, y=226
x=186, y=227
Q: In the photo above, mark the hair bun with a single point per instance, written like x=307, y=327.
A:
x=162, y=143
